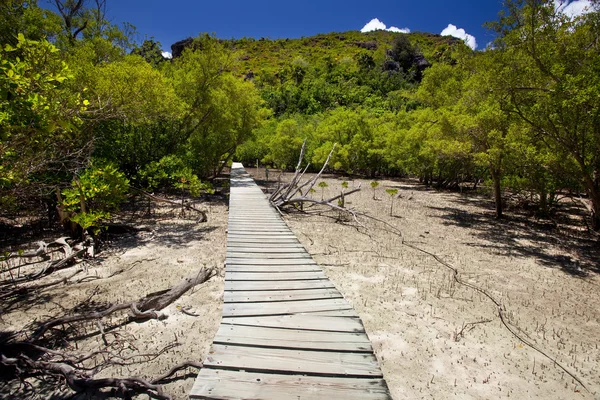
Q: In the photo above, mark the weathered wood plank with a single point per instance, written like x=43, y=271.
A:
x=272, y=268
x=271, y=261
x=285, y=307
x=263, y=249
x=274, y=276
x=300, y=321
x=260, y=234
x=256, y=359
x=269, y=256
x=292, y=339
x=262, y=245
x=281, y=295
x=224, y=384
x=277, y=285
x=350, y=313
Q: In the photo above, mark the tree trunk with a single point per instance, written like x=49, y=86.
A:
x=497, y=191
x=595, y=199
x=543, y=206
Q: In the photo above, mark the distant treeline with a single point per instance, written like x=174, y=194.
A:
x=85, y=113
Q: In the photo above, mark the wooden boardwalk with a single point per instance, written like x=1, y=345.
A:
x=286, y=332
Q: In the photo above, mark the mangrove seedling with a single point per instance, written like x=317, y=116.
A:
x=323, y=185
x=374, y=185
x=392, y=193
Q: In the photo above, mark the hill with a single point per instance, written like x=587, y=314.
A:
x=318, y=73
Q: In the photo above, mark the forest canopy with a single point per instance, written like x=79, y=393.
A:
x=81, y=101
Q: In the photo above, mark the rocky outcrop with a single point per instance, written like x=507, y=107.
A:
x=391, y=65
x=370, y=45
x=421, y=62
x=178, y=47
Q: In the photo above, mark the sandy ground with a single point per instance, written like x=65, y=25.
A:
x=172, y=249
x=435, y=339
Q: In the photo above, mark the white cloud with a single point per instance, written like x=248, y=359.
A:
x=166, y=54
x=573, y=9
x=452, y=30
x=376, y=25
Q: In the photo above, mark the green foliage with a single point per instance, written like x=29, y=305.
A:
x=221, y=110
x=150, y=51
x=93, y=195
x=172, y=171
x=39, y=115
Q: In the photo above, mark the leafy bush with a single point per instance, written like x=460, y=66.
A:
x=94, y=194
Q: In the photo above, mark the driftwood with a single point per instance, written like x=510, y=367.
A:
x=81, y=380
x=23, y=354
x=146, y=308
x=296, y=193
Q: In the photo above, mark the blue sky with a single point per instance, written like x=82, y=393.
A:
x=170, y=21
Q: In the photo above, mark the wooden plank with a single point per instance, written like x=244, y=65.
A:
x=290, y=244
x=299, y=255
x=264, y=238
x=300, y=321
x=292, y=339
x=272, y=268
x=224, y=384
x=281, y=295
x=274, y=242
x=257, y=225
x=261, y=234
x=278, y=285
x=281, y=261
x=350, y=313
x=260, y=231
x=274, y=276
x=257, y=359
x=285, y=307
x=260, y=249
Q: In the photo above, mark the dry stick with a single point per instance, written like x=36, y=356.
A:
x=291, y=185
x=178, y=367
x=470, y=324
x=144, y=308
x=27, y=289
x=48, y=269
x=79, y=381
x=179, y=204
x=313, y=181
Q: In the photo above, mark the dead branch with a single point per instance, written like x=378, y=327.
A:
x=291, y=194
x=24, y=290
x=468, y=326
x=178, y=367
x=146, y=308
x=161, y=301
x=41, y=251
x=51, y=267
x=81, y=381
x=204, y=216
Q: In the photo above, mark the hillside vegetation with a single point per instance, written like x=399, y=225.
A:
x=86, y=115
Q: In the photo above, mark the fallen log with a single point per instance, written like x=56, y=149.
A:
x=146, y=308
